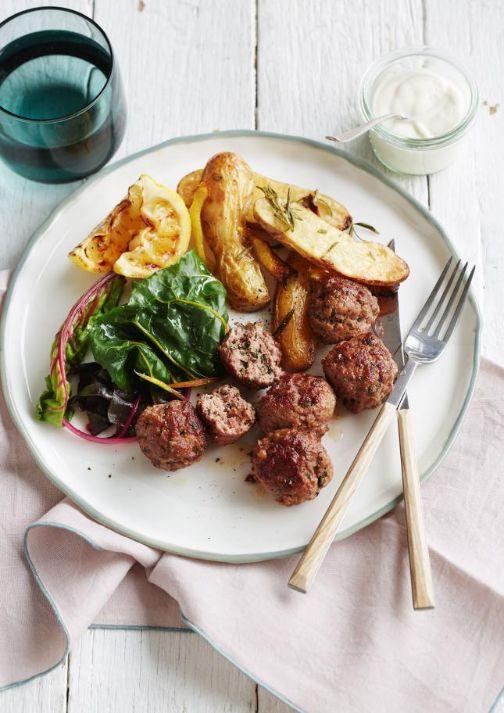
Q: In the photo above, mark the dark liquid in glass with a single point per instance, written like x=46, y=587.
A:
x=47, y=77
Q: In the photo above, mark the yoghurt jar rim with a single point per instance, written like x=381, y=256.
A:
x=379, y=66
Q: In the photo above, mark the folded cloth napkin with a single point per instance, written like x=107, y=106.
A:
x=353, y=644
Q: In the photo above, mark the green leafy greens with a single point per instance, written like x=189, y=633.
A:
x=70, y=346
x=169, y=329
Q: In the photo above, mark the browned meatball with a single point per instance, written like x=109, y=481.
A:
x=296, y=401
x=225, y=414
x=361, y=371
x=341, y=309
x=250, y=354
x=292, y=464
x=171, y=435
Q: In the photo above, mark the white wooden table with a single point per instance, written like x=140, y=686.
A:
x=292, y=66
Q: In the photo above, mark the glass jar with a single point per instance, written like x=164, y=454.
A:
x=418, y=156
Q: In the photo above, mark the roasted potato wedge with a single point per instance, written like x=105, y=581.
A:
x=268, y=258
x=325, y=207
x=146, y=231
x=229, y=184
x=329, y=248
x=301, y=264
x=291, y=326
x=317, y=274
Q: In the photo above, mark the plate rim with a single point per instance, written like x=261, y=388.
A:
x=153, y=542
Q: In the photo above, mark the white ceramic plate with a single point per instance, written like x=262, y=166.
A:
x=207, y=510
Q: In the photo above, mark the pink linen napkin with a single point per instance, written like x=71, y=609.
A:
x=353, y=644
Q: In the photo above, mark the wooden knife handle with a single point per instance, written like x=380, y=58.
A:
x=420, y=569
x=306, y=570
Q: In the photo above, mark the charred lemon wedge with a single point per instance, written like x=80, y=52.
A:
x=148, y=230
x=198, y=237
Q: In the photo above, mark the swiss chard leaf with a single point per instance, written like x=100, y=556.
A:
x=118, y=347
x=71, y=344
x=169, y=329
x=182, y=310
x=78, y=344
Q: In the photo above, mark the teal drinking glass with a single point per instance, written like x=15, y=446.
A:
x=62, y=107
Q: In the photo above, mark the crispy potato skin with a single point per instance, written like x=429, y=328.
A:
x=297, y=340
x=229, y=182
x=325, y=207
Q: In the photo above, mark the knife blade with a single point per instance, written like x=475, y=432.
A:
x=390, y=324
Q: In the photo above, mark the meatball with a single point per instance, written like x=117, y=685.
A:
x=225, y=414
x=292, y=464
x=251, y=355
x=341, y=309
x=361, y=371
x=296, y=401
x=171, y=435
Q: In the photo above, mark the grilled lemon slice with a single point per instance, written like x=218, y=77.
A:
x=148, y=230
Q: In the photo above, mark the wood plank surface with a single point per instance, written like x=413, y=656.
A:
x=466, y=198
x=45, y=694
x=138, y=671
x=187, y=66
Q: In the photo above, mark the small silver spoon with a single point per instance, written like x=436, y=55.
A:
x=363, y=128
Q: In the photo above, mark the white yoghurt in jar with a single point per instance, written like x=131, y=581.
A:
x=438, y=100
x=433, y=104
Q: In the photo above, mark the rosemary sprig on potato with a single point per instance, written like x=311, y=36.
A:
x=281, y=209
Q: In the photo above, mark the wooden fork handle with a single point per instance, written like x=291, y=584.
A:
x=420, y=569
x=309, y=564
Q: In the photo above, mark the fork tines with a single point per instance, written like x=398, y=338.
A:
x=455, y=286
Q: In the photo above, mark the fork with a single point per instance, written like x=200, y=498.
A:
x=424, y=344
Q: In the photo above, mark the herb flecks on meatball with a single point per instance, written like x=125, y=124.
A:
x=171, y=435
x=225, y=414
x=251, y=355
x=297, y=401
x=361, y=371
x=291, y=464
x=341, y=309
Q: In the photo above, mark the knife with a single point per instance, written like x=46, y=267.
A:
x=420, y=569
